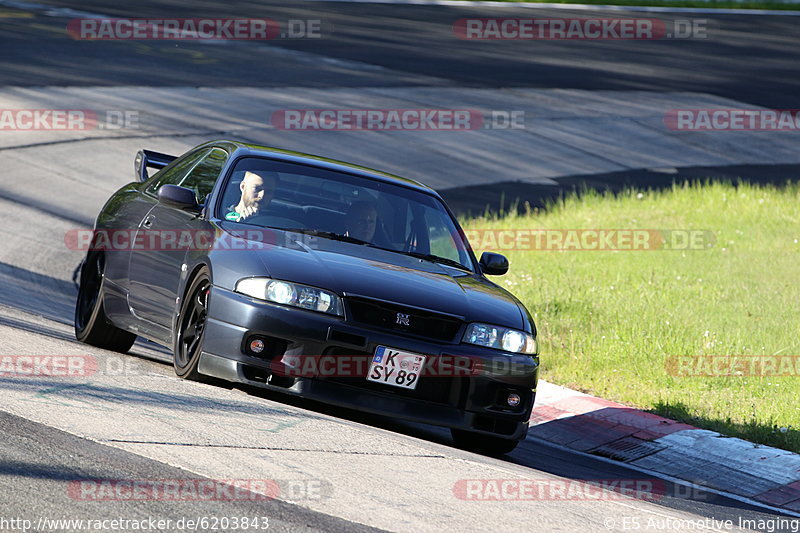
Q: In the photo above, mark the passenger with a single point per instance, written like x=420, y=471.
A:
x=361, y=220
x=258, y=188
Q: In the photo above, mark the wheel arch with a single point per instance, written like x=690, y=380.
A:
x=186, y=283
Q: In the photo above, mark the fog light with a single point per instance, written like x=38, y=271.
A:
x=256, y=346
x=513, y=399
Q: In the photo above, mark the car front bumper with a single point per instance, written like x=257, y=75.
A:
x=473, y=400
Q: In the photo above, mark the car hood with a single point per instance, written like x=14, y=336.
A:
x=355, y=270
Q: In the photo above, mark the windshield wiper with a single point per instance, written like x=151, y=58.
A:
x=438, y=259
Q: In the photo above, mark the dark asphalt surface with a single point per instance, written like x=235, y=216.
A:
x=38, y=463
x=749, y=58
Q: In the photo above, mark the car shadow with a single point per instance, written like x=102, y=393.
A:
x=36, y=293
x=536, y=453
x=54, y=299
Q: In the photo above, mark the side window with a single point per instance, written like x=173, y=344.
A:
x=174, y=175
x=442, y=242
x=201, y=178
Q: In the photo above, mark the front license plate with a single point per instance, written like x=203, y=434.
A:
x=395, y=367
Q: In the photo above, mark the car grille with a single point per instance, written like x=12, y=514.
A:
x=385, y=315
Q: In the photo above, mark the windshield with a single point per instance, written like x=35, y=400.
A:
x=332, y=204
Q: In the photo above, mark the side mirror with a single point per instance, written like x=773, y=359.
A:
x=180, y=197
x=493, y=264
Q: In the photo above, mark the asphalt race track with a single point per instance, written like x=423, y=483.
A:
x=591, y=109
x=748, y=58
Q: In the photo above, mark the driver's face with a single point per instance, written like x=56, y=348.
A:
x=256, y=191
x=361, y=223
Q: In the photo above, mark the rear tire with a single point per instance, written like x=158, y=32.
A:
x=485, y=444
x=91, y=324
x=191, y=328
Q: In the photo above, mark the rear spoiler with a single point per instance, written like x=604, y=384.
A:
x=148, y=159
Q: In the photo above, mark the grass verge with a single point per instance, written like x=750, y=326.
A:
x=610, y=321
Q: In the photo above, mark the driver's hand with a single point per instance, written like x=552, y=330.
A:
x=247, y=212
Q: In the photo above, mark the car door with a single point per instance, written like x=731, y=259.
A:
x=167, y=235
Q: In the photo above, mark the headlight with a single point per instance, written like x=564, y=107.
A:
x=294, y=294
x=509, y=340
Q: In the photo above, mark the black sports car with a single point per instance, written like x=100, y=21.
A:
x=312, y=277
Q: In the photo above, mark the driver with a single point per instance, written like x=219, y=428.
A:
x=361, y=221
x=258, y=188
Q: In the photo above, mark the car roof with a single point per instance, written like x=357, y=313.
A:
x=238, y=149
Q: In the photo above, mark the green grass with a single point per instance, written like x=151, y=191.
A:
x=608, y=320
x=719, y=4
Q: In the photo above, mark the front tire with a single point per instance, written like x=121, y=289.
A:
x=91, y=324
x=191, y=328
x=484, y=444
